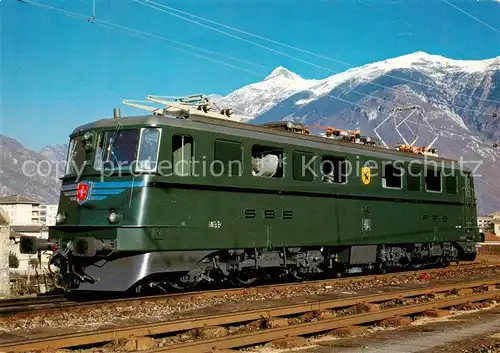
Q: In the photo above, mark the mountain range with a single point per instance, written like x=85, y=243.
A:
x=458, y=103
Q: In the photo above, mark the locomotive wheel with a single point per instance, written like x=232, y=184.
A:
x=297, y=276
x=179, y=283
x=244, y=279
x=445, y=262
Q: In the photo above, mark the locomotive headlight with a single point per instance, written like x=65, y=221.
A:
x=114, y=217
x=60, y=218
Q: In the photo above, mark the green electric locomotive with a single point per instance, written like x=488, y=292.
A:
x=187, y=195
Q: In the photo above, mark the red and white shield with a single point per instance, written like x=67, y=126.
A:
x=83, y=192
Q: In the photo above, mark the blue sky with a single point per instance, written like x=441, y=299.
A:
x=60, y=71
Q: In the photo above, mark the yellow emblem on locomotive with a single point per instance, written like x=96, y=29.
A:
x=366, y=175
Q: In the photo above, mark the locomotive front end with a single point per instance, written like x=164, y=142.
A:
x=102, y=204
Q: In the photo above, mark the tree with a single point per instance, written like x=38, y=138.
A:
x=13, y=260
x=33, y=263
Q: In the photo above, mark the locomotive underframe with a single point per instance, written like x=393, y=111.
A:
x=163, y=271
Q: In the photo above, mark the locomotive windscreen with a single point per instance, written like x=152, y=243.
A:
x=116, y=149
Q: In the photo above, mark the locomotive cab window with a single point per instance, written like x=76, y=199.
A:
x=433, y=182
x=267, y=162
x=76, y=155
x=182, y=155
x=334, y=169
x=392, y=177
x=148, y=149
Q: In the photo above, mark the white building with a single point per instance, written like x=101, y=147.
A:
x=24, y=211
x=495, y=216
x=27, y=217
x=485, y=223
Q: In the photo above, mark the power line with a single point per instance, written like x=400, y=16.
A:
x=135, y=31
x=270, y=40
x=66, y=12
x=232, y=35
x=182, y=44
x=117, y=26
x=397, y=19
x=138, y=34
x=471, y=16
x=250, y=34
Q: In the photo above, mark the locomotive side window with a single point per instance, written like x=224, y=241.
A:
x=148, y=149
x=267, y=161
x=182, y=155
x=392, y=177
x=301, y=162
x=76, y=156
x=433, y=181
x=413, y=180
x=228, y=156
x=451, y=184
x=334, y=169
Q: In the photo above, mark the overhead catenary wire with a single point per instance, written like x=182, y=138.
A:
x=397, y=19
x=137, y=32
x=250, y=34
x=214, y=53
x=165, y=39
x=157, y=5
x=233, y=36
x=472, y=16
x=352, y=78
x=427, y=33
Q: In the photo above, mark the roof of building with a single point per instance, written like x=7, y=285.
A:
x=4, y=217
x=13, y=199
x=27, y=229
x=493, y=214
x=491, y=237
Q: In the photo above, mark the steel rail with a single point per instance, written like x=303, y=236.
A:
x=164, y=327
x=22, y=305
x=253, y=338
x=11, y=302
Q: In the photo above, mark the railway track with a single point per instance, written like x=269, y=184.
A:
x=31, y=301
x=388, y=304
x=47, y=304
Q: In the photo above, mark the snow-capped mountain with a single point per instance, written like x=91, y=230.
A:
x=259, y=97
x=460, y=99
